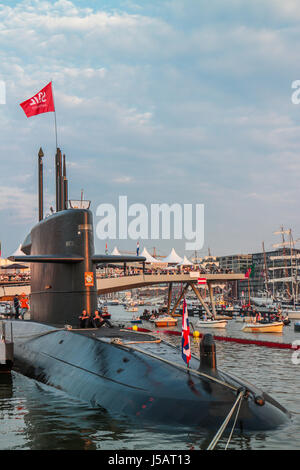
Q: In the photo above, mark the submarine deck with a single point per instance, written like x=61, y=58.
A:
x=140, y=342
x=115, y=332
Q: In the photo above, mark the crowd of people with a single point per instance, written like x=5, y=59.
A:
x=153, y=270
x=15, y=277
x=109, y=272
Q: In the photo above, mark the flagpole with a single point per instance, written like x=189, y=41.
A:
x=55, y=124
x=55, y=129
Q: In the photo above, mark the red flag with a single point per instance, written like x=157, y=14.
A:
x=247, y=274
x=42, y=102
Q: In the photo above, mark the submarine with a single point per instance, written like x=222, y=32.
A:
x=124, y=373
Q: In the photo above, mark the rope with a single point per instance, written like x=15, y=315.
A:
x=120, y=341
x=235, y=420
x=226, y=421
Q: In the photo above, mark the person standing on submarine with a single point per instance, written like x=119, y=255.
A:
x=16, y=306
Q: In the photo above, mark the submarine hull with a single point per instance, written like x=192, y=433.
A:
x=128, y=383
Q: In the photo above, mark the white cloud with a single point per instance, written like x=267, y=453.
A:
x=18, y=201
x=123, y=179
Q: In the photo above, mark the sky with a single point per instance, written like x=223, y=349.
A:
x=170, y=101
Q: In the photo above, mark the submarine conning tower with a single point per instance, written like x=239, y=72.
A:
x=61, y=289
x=60, y=250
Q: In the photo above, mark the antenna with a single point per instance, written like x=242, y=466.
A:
x=41, y=195
x=58, y=174
x=65, y=183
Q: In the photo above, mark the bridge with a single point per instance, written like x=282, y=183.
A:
x=107, y=285
x=116, y=284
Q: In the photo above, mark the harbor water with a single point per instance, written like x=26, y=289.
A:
x=38, y=417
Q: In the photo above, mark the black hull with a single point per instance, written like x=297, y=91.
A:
x=131, y=384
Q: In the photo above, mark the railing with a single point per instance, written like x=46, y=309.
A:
x=14, y=282
x=112, y=275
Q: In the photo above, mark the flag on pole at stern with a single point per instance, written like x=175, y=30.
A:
x=185, y=335
x=42, y=102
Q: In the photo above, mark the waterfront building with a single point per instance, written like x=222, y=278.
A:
x=275, y=273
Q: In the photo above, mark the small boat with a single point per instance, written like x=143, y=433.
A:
x=212, y=323
x=273, y=327
x=166, y=321
x=136, y=321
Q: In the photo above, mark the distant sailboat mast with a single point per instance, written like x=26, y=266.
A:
x=293, y=267
x=283, y=245
x=265, y=269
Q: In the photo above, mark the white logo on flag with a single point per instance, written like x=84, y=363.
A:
x=38, y=99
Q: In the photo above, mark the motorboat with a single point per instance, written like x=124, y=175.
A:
x=212, y=323
x=166, y=321
x=136, y=320
x=273, y=327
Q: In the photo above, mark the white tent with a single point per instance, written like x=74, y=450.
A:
x=185, y=262
x=4, y=262
x=173, y=258
x=149, y=258
x=115, y=252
